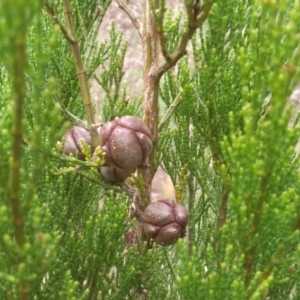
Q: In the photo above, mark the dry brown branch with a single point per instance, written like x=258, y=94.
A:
x=197, y=15
x=133, y=16
x=81, y=73
x=154, y=43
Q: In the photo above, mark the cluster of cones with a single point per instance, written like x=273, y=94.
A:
x=127, y=142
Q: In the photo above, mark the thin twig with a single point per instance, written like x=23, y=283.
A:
x=193, y=24
x=250, y=255
x=19, y=88
x=223, y=207
x=151, y=85
x=163, y=47
x=53, y=16
x=75, y=118
x=81, y=73
x=191, y=229
x=161, y=34
x=133, y=16
x=105, y=185
x=178, y=100
x=92, y=42
x=77, y=162
x=222, y=216
x=18, y=42
x=267, y=271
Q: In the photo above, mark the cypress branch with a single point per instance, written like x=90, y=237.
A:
x=81, y=73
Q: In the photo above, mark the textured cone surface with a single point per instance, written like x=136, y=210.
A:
x=126, y=142
x=146, y=144
x=73, y=138
x=125, y=149
x=135, y=124
x=113, y=174
x=159, y=214
x=180, y=215
x=165, y=221
x=168, y=235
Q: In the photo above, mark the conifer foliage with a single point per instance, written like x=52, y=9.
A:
x=76, y=217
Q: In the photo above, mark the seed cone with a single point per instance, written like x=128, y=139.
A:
x=73, y=139
x=165, y=222
x=126, y=142
x=113, y=174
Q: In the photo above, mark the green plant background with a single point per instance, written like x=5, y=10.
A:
x=229, y=142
